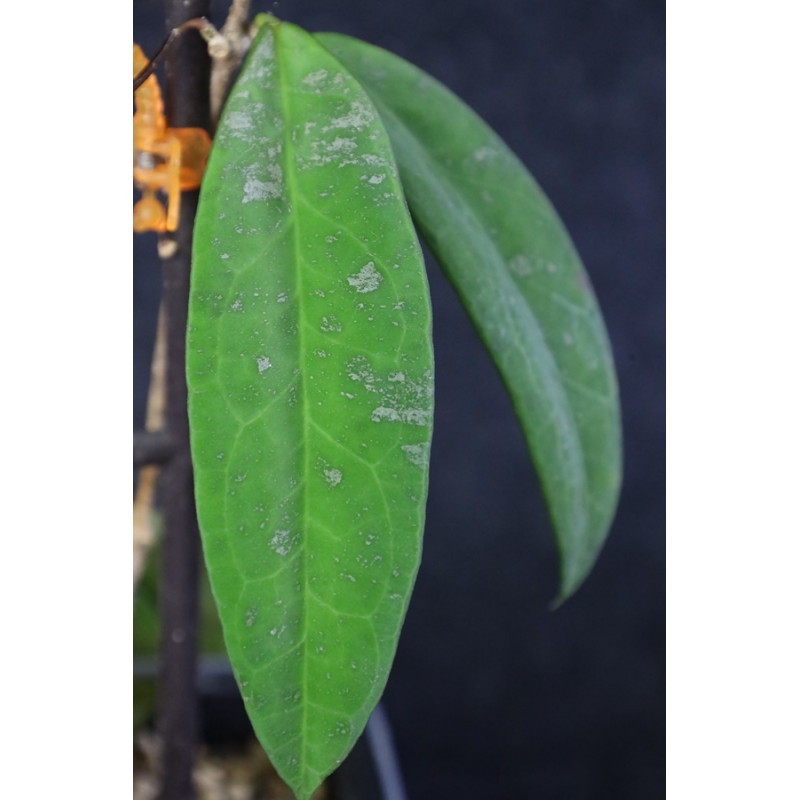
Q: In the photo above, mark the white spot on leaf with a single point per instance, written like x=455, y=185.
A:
x=358, y=118
x=417, y=454
x=330, y=325
x=485, y=153
x=239, y=120
x=521, y=265
x=367, y=279
x=281, y=542
x=263, y=364
x=258, y=186
x=315, y=78
x=382, y=413
x=333, y=476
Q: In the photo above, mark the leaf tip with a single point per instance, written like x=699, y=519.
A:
x=303, y=785
x=260, y=20
x=572, y=579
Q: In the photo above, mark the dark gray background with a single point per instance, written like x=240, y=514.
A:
x=492, y=694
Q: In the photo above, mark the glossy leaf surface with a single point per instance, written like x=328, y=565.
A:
x=512, y=262
x=310, y=375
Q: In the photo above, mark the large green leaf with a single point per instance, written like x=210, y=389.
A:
x=310, y=376
x=509, y=257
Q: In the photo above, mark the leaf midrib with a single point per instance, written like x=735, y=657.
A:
x=289, y=171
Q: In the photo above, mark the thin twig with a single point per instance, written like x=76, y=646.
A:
x=226, y=47
x=199, y=24
x=236, y=31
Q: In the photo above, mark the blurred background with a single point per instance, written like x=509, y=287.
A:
x=494, y=695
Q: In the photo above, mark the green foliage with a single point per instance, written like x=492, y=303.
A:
x=310, y=371
x=310, y=368
x=512, y=262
